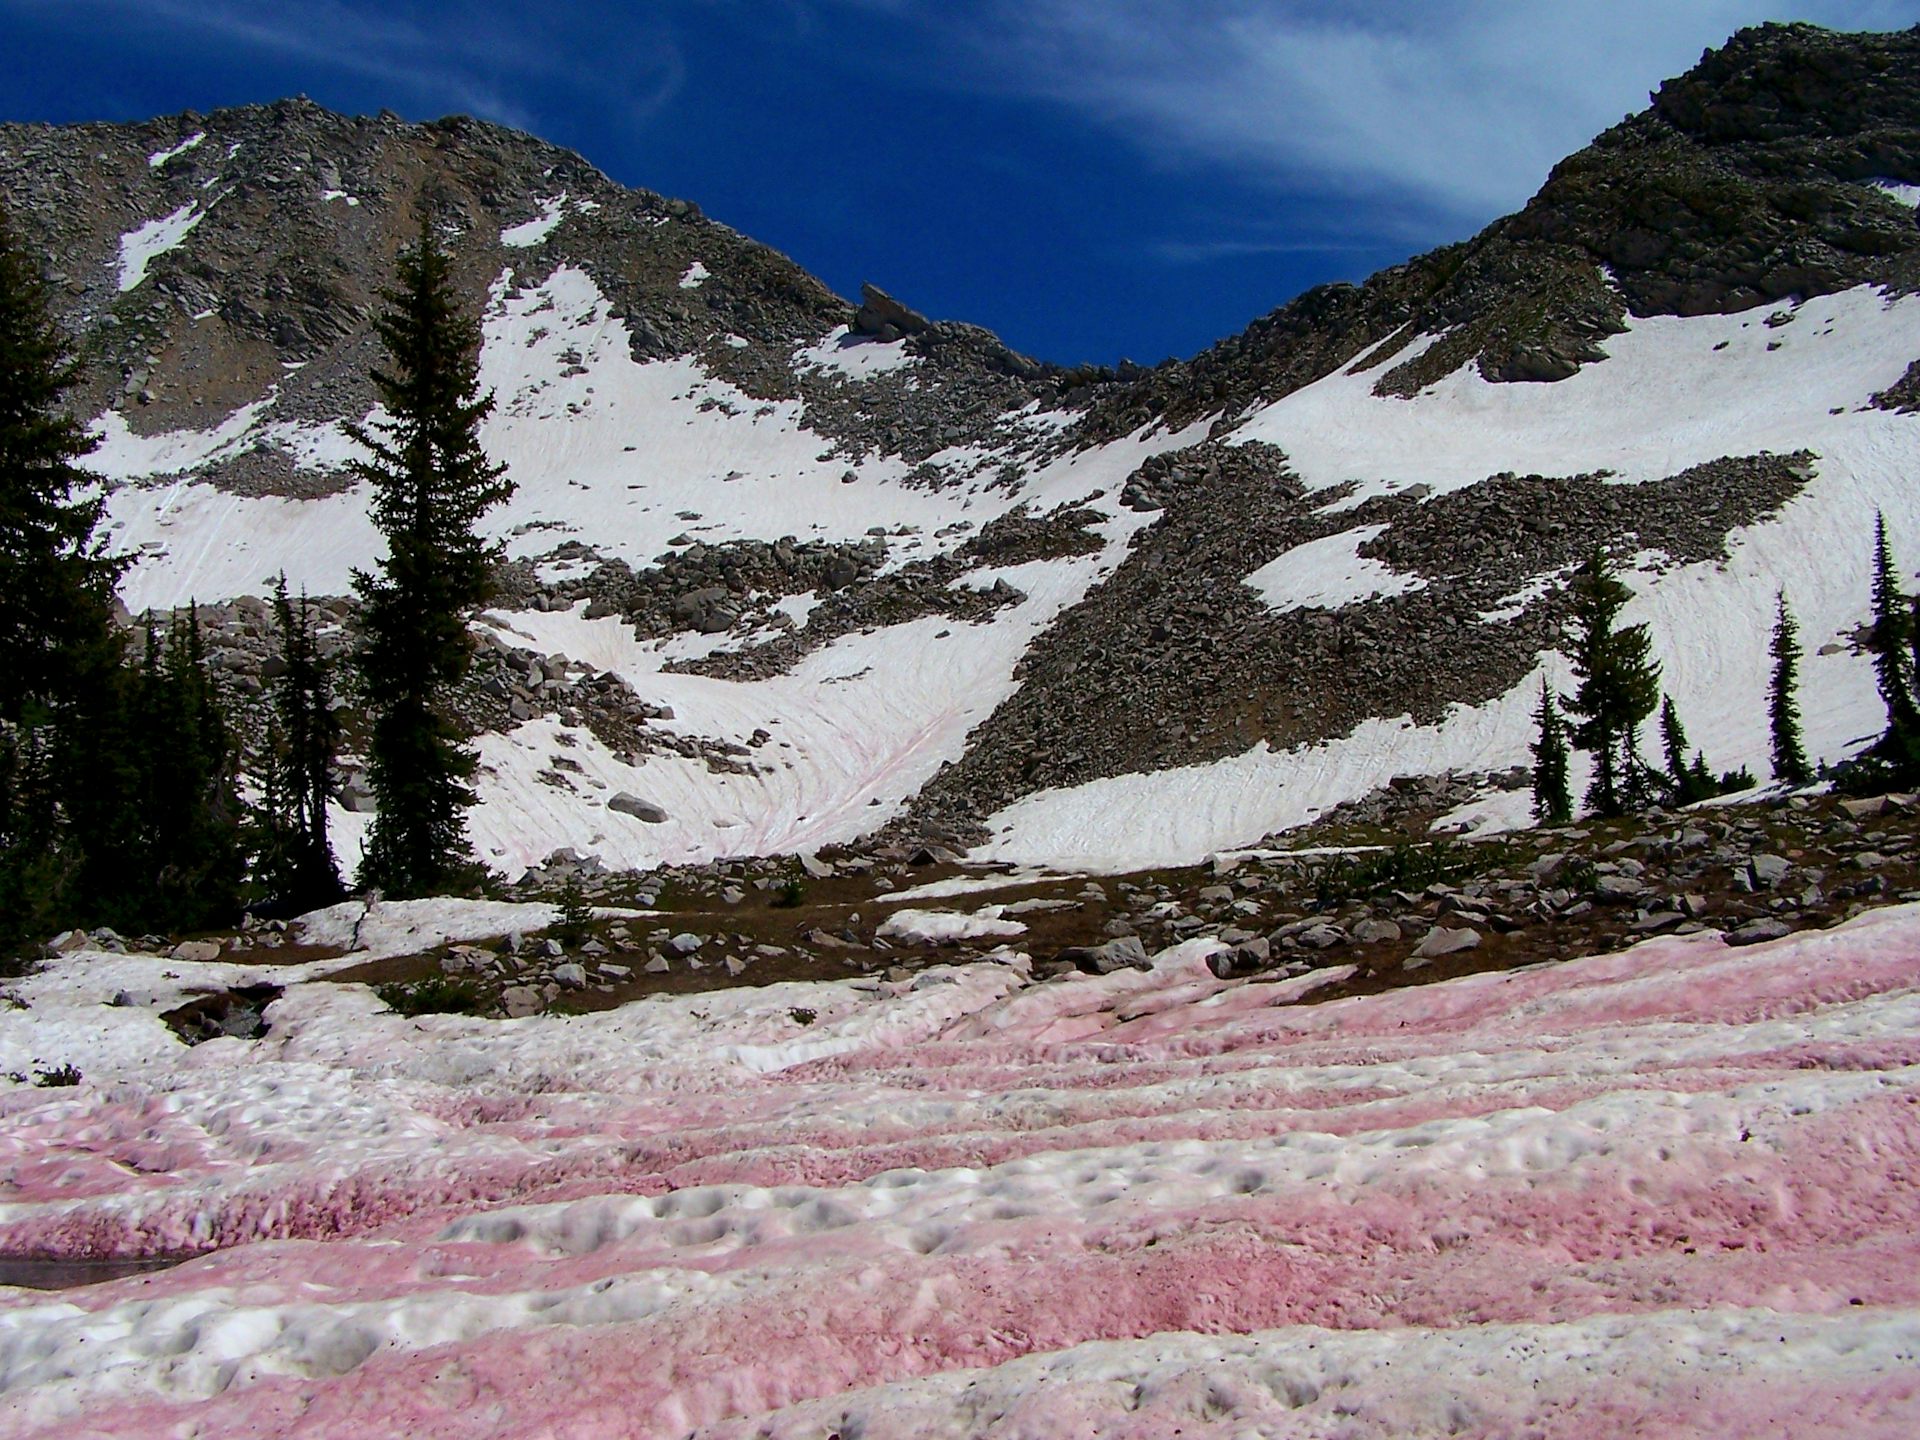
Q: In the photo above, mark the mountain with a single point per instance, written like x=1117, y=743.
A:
x=792, y=572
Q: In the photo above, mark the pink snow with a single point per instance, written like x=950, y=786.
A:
x=1669, y=1190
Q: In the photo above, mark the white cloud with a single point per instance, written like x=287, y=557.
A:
x=1453, y=106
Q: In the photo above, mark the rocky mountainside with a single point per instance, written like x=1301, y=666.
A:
x=1761, y=175
x=785, y=572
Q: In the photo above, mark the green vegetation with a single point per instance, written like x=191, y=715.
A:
x=431, y=995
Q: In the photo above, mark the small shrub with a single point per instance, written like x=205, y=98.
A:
x=790, y=894
x=576, y=915
x=803, y=1016
x=435, y=995
x=60, y=1075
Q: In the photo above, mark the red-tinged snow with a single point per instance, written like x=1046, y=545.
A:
x=1666, y=1191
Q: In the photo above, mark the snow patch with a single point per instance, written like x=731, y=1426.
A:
x=696, y=275
x=140, y=247
x=1328, y=573
x=855, y=357
x=529, y=233
x=161, y=157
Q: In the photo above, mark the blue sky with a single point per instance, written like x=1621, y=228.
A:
x=1091, y=178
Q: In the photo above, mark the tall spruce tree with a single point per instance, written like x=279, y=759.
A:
x=1619, y=686
x=56, y=579
x=1790, y=765
x=431, y=484
x=1552, y=797
x=59, y=651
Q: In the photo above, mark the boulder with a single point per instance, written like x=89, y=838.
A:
x=1756, y=931
x=571, y=975
x=1442, y=941
x=884, y=317
x=639, y=809
x=1119, y=954
x=196, y=952
x=520, y=1000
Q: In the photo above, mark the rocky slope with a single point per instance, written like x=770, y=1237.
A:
x=784, y=571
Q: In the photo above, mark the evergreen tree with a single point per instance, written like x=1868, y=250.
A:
x=1552, y=799
x=1790, y=765
x=431, y=484
x=59, y=651
x=1685, y=781
x=1619, y=687
x=1892, y=664
x=56, y=581
x=1673, y=743
x=295, y=864
x=180, y=866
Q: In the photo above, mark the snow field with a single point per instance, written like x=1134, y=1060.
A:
x=145, y=243
x=1667, y=398
x=1639, y=1193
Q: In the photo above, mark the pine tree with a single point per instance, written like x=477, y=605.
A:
x=56, y=581
x=1552, y=799
x=1790, y=765
x=295, y=864
x=432, y=483
x=1892, y=665
x=1619, y=687
x=59, y=651
x=1673, y=743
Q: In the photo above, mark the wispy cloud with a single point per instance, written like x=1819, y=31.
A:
x=1454, y=106
x=483, y=59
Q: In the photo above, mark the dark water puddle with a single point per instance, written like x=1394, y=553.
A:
x=64, y=1272
x=239, y=1012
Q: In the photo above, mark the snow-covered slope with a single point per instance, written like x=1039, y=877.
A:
x=1671, y=394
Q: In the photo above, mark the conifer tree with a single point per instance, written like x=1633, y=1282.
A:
x=431, y=484
x=56, y=581
x=59, y=651
x=296, y=865
x=1673, y=742
x=1892, y=664
x=1552, y=799
x=1790, y=765
x=1619, y=686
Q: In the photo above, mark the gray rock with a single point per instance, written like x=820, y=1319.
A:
x=1442, y=941
x=1322, y=937
x=1767, y=871
x=520, y=1000
x=1117, y=954
x=195, y=952
x=686, y=943
x=656, y=965
x=639, y=809
x=1618, y=889
x=1374, y=932
x=1756, y=931
x=570, y=975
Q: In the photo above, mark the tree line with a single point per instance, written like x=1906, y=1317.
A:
x=122, y=795
x=1617, y=690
